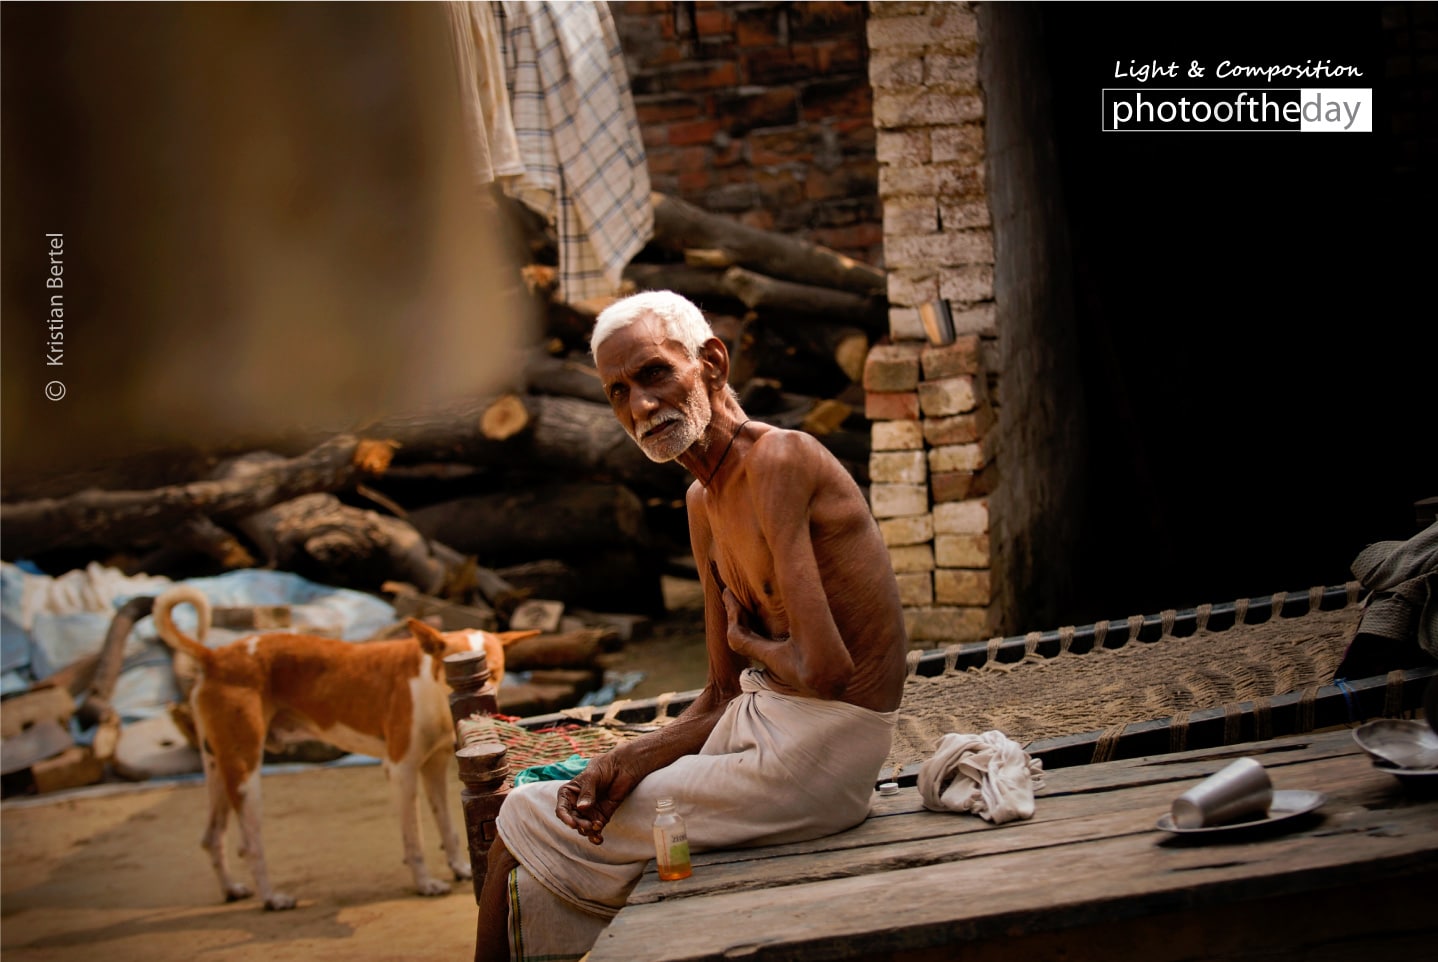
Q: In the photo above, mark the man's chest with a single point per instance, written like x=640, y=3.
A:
x=744, y=560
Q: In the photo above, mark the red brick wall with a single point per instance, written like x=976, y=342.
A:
x=761, y=111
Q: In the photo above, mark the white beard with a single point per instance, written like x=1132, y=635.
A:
x=693, y=418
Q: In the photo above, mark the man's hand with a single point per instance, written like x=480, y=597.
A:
x=740, y=634
x=589, y=800
x=824, y=678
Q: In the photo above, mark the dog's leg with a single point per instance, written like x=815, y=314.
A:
x=232, y=726
x=436, y=790
x=253, y=847
x=214, y=838
x=404, y=783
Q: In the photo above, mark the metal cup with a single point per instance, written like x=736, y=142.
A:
x=1237, y=792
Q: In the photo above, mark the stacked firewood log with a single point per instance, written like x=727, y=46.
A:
x=531, y=492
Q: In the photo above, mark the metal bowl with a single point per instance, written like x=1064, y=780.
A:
x=1398, y=743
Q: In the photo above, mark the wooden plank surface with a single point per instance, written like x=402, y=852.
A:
x=908, y=880
x=981, y=898
x=1068, y=795
x=925, y=838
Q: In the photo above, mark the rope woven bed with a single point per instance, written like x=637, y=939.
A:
x=1215, y=674
x=524, y=748
x=1109, y=688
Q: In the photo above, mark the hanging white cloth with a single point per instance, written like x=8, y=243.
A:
x=484, y=96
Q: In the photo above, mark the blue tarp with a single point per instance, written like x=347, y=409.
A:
x=50, y=622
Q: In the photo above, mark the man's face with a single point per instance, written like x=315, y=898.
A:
x=655, y=388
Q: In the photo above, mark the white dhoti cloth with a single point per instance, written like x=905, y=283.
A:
x=777, y=768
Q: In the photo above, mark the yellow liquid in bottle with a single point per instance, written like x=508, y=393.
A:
x=678, y=866
x=671, y=849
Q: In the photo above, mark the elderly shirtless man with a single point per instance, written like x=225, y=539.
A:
x=806, y=647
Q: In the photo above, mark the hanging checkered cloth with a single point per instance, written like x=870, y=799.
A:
x=579, y=137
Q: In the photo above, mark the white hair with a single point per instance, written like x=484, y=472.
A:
x=678, y=318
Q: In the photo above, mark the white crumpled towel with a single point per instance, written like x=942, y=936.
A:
x=989, y=775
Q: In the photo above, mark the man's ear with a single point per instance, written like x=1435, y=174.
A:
x=714, y=356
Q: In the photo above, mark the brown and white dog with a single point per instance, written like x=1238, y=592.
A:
x=387, y=699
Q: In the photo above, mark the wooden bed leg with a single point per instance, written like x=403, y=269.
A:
x=483, y=769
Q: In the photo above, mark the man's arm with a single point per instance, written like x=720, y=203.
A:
x=588, y=802
x=786, y=471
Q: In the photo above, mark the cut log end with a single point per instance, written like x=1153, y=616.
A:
x=826, y=417
x=541, y=281
x=850, y=354
x=708, y=257
x=373, y=457
x=504, y=418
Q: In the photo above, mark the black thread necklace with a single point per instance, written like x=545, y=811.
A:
x=732, y=438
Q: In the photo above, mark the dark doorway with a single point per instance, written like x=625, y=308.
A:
x=1255, y=317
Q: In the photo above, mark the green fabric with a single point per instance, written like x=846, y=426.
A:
x=554, y=771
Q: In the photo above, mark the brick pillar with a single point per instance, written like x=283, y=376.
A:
x=933, y=405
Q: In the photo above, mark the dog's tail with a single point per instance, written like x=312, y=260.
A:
x=172, y=635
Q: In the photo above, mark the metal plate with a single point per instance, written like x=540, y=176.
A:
x=1399, y=743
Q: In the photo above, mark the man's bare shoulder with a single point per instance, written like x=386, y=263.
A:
x=793, y=464
x=787, y=451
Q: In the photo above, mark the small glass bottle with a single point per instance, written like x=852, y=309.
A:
x=671, y=842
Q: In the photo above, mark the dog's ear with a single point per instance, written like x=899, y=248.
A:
x=430, y=640
x=507, y=638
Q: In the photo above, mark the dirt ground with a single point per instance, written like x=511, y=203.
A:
x=115, y=872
